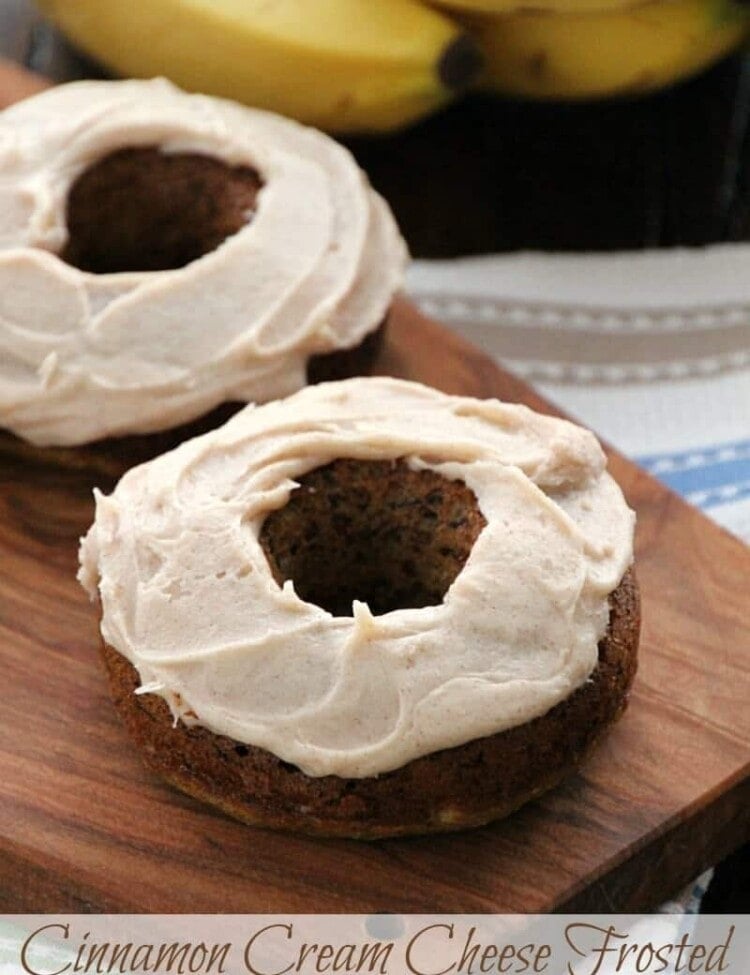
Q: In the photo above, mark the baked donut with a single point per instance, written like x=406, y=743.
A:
x=163, y=253
x=369, y=609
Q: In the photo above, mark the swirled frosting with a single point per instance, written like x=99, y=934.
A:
x=85, y=356
x=188, y=596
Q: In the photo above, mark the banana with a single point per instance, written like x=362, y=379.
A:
x=580, y=55
x=377, y=65
x=342, y=65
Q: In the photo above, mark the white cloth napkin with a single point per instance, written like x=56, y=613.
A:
x=651, y=349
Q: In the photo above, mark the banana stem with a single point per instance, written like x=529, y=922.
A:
x=461, y=63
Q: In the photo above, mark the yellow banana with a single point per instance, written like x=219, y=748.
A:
x=578, y=55
x=376, y=65
x=343, y=65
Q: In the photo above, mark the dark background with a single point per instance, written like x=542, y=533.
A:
x=486, y=175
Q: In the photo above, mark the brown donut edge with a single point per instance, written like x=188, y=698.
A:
x=466, y=786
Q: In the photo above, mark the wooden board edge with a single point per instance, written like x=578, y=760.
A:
x=685, y=849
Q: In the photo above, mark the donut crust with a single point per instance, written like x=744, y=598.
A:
x=469, y=785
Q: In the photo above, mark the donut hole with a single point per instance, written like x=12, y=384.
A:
x=375, y=531
x=140, y=209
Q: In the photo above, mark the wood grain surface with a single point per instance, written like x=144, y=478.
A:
x=84, y=827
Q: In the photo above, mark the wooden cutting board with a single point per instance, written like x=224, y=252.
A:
x=84, y=827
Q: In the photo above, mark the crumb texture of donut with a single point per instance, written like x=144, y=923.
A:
x=470, y=785
x=373, y=531
x=140, y=209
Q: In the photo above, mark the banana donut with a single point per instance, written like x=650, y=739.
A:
x=369, y=609
x=163, y=253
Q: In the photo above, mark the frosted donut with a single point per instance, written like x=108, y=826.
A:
x=161, y=253
x=363, y=596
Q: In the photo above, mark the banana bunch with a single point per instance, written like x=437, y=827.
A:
x=342, y=65
x=377, y=65
x=592, y=48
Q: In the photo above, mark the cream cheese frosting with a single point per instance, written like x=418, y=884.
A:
x=188, y=596
x=85, y=356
